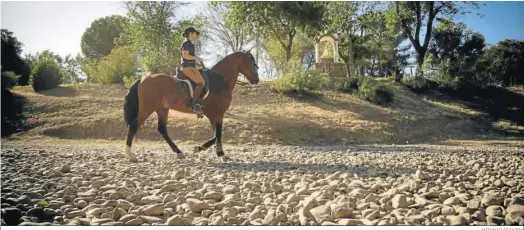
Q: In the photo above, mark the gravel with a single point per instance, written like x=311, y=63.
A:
x=263, y=185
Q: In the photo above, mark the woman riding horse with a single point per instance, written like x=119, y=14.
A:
x=188, y=63
x=160, y=92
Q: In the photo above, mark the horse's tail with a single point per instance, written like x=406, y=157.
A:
x=131, y=103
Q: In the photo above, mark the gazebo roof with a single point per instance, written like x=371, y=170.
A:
x=327, y=37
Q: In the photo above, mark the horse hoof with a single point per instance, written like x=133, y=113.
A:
x=180, y=155
x=225, y=158
x=197, y=149
x=133, y=159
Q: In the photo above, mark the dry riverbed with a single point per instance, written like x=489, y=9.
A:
x=265, y=185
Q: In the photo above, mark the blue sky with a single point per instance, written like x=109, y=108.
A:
x=502, y=20
x=58, y=26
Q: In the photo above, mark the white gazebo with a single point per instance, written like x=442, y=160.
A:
x=333, y=39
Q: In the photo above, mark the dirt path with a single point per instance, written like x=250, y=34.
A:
x=267, y=185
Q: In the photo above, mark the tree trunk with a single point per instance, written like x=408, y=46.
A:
x=350, y=58
x=257, y=44
x=420, y=62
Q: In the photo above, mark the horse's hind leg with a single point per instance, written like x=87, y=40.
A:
x=143, y=113
x=162, y=129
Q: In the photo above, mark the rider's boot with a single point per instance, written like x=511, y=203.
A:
x=195, y=103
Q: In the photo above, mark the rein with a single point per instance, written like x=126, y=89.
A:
x=238, y=81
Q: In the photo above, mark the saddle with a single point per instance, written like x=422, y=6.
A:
x=190, y=85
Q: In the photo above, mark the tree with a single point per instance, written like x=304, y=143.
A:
x=155, y=34
x=504, y=62
x=411, y=17
x=347, y=19
x=221, y=31
x=47, y=72
x=100, y=38
x=120, y=63
x=9, y=80
x=71, y=69
x=277, y=21
x=454, y=52
x=11, y=59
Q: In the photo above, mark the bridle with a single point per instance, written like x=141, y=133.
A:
x=241, y=83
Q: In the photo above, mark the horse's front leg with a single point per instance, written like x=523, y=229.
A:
x=209, y=142
x=218, y=144
x=206, y=145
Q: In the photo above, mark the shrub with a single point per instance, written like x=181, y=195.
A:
x=301, y=82
x=112, y=69
x=375, y=92
x=129, y=80
x=9, y=80
x=419, y=84
x=346, y=84
x=47, y=73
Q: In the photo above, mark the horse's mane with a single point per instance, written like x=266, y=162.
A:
x=217, y=82
x=224, y=60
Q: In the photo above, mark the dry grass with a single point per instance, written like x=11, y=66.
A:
x=258, y=115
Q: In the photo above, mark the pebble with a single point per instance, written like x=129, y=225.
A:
x=321, y=188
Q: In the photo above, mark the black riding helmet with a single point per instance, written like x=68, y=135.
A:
x=190, y=30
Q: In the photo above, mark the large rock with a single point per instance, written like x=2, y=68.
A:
x=474, y=205
x=321, y=211
x=341, y=211
x=399, y=201
x=306, y=218
x=175, y=220
x=489, y=200
x=197, y=205
x=154, y=210
x=230, y=189
x=151, y=199
x=515, y=215
x=495, y=210
x=212, y=195
x=493, y=220
x=97, y=211
x=11, y=216
x=456, y=220
x=452, y=201
x=118, y=213
x=77, y=213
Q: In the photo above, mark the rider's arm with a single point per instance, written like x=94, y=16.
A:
x=186, y=55
x=185, y=52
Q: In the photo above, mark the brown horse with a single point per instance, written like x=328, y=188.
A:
x=160, y=92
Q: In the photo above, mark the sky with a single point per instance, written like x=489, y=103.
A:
x=58, y=26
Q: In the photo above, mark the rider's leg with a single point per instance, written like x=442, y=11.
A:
x=195, y=76
x=199, y=80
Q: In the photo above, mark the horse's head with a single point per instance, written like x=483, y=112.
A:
x=248, y=67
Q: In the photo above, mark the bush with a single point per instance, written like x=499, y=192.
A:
x=301, y=82
x=375, y=92
x=47, y=73
x=9, y=80
x=346, y=84
x=129, y=80
x=112, y=69
x=419, y=84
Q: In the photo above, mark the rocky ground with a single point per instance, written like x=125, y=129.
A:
x=265, y=185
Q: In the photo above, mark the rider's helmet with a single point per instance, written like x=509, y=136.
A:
x=190, y=30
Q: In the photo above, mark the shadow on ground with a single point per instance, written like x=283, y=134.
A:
x=360, y=170
x=60, y=91
x=13, y=118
